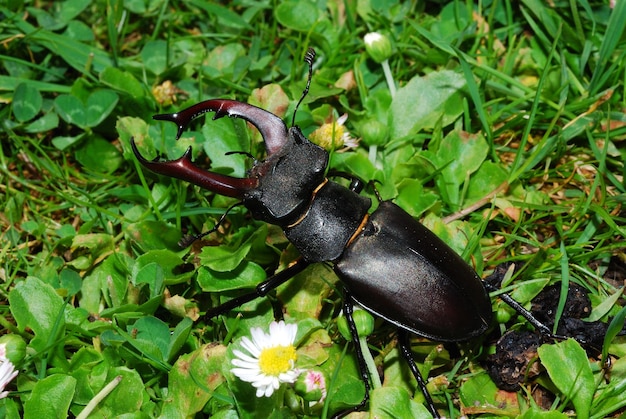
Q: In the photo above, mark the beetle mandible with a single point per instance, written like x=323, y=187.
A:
x=389, y=263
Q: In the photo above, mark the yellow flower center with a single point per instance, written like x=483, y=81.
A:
x=277, y=360
x=329, y=136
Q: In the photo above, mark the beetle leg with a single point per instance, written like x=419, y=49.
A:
x=496, y=278
x=261, y=290
x=348, y=308
x=356, y=183
x=186, y=241
x=183, y=168
x=271, y=127
x=405, y=348
x=542, y=328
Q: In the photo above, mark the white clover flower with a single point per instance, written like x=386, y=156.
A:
x=270, y=360
x=7, y=373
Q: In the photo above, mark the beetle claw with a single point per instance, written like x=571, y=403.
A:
x=184, y=168
x=176, y=118
x=271, y=127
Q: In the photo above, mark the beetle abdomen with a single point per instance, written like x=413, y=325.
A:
x=401, y=271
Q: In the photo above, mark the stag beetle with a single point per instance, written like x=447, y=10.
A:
x=389, y=263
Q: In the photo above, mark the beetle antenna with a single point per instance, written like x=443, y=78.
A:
x=372, y=184
x=245, y=153
x=308, y=58
x=186, y=241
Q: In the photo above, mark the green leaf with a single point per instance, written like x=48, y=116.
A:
x=37, y=306
x=127, y=397
x=394, y=402
x=525, y=291
x=568, y=367
x=98, y=243
x=50, y=397
x=71, y=110
x=480, y=390
x=485, y=180
x=227, y=257
x=63, y=142
x=220, y=137
x=71, y=8
x=297, y=15
x=9, y=409
x=47, y=122
x=151, y=274
x=154, y=235
x=170, y=263
x=70, y=280
x=80, y=31
x=108, y=280
x=270, y=97
x=425, y=101
x=221, y=60
x=304, y=296
x=99, y=155
x=142, y=7
x=245, y=275
x=356, y=163
x=122, y=81
x=458, y=156
x=615, y=327
x=129, y=127
x=27, y=102
x=154, y=56
x=151, y=332
x=81, y=56
x=9, y=84
x=89, y=368
x=193, y=380
x=225, y=16
x=61, y=15
x=412, y=197
x=100, y=104
x=179, y=337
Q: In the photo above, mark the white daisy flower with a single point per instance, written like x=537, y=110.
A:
x=334, y=135
x=270, y=360
x=7, y=373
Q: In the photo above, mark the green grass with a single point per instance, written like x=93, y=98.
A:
x=505, y=137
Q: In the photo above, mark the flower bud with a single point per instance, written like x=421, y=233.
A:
x=374, y=132
x=364, y=324
x=377, y=46
x=503, y=314
x=13, y=348
x=311, y=386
